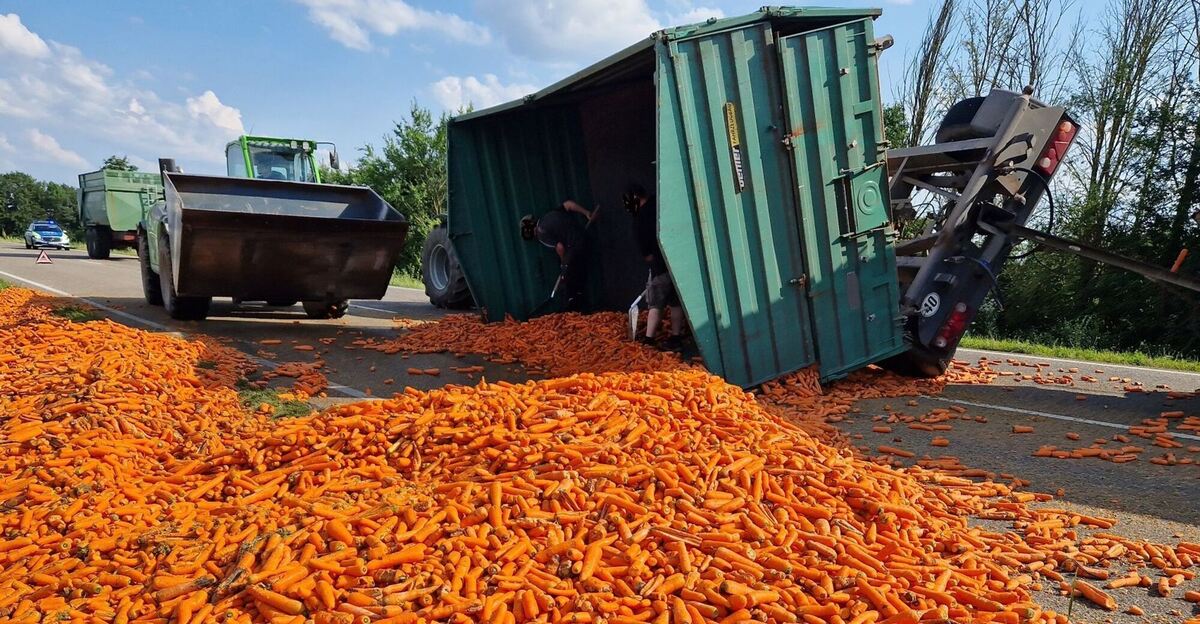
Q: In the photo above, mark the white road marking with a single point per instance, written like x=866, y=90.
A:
x=1037, y=358
x=163, y=328
x=359, y=305
x=1086, y=421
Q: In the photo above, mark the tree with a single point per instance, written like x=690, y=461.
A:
x=24, y=199
x=924, y=77
x=409, y=171
x=118, y=163
x=895, y=125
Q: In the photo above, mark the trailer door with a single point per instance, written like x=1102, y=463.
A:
x=726, y=225
x=835, y=136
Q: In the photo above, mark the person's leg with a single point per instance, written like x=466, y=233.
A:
x=676, y=320
x=653, y=320
x=574, y=276
x=655, y=301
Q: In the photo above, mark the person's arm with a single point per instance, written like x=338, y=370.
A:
x=562, y=251
x=571, y=205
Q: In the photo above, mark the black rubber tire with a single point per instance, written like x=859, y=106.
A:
x=27, y=245
x=282, y=303
x=917, y=362
x=151, y=283
x=99, y=242
x=956, y=125
x=445, y=282
x=179, y=308
x=326, y=310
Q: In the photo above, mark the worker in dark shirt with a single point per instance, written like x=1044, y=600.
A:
x=561, y=231
x=660, y=290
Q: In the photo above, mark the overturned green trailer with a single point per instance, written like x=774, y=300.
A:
x=762, y=138
x=779, y=200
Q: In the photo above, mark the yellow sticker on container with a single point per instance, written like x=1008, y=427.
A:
x=735, y=146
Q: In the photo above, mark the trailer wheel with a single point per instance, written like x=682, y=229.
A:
x=956, y=125
x=445, y=283
x=325, y=309
x=151, y=284
x=99, y=242
x=180, y=308
x=917, y=362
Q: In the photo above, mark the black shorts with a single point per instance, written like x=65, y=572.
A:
x=660, y=292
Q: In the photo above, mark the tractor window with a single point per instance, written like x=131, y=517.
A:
x=235, y=163
x=281, y=163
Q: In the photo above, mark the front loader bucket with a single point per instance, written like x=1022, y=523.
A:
x=259, y=240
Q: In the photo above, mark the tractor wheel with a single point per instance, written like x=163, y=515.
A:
x=180, y=308
x=956, y=125
x=99, y=242
x=326, y=309
x=151, y=283
x=445, y=283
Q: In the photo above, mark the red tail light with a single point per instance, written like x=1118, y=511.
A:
x=953, y=328
x=1056, y=148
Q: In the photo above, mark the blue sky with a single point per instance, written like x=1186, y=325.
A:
x=82, y=80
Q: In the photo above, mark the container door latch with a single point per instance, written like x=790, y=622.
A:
x=801, y=281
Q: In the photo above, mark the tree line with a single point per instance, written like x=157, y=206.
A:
x=24, y=199
x=1128, y=72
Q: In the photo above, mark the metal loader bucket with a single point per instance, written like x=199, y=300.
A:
x=275, y=240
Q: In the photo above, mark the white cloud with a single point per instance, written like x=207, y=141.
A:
x=564, y=32
x=5, y=146
x=456, y=92
x=64, y=93
x=697, y=15
x=351, y=22
x=46, y=147
x=209, y=107
x=15, y=38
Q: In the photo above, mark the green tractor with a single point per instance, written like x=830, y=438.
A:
x=270, y=231
x=272, y=158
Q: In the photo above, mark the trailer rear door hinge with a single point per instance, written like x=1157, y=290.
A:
x=801, y=281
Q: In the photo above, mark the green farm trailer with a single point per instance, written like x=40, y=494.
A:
x=780, y=204
x=271, y=231
x=111, y=204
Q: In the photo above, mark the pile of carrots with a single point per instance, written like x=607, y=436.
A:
x=557, y=345
x=131, y=489
x=597, y=343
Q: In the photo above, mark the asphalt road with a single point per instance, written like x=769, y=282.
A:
x=114, y=287
x=1159, y=503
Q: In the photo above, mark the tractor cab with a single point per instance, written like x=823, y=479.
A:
x=270, y=158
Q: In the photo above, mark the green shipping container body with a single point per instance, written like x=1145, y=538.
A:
x=762, y=137
x=115, y=199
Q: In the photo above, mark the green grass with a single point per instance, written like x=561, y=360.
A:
x=254, y=397
x=405, y=281
x=1133, y=358
x=75, y=313
x=4, y=284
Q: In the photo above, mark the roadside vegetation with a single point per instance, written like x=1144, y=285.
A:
x=75, y=313
x=404, y=280
x=1126, y=358
x=281, y=407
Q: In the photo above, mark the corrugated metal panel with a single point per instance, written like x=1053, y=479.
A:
x=500, y=168
x=116, y=198
x=731, y=238
x=835, y=123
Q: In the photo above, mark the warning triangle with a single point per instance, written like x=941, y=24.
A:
x=44, y=258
